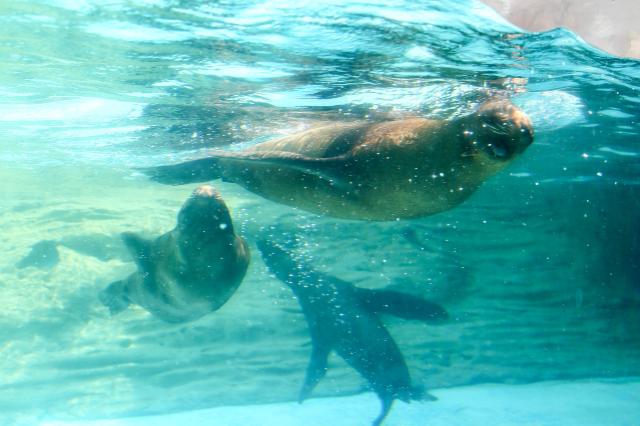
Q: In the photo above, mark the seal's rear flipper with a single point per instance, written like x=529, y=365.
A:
x=114, y=297
x=316, y=370
x=401, y=305
x=201, y=170
x=387, y=402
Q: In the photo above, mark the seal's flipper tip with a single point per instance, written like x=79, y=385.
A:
x=387, y=402
x=426, y=396
x=305, y=391
x=201, y=170
x=418, y=393
x=316, y=370
x=114, y=297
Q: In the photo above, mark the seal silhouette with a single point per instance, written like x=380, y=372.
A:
x=344, y=318
x=189, y=271
x=371, y=171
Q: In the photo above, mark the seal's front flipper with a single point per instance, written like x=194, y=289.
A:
x=331, y=169
x=401, y=305
x=315, y=371
x=115, y=297
x=139, y=248
x=201, y=170
x=387, y=402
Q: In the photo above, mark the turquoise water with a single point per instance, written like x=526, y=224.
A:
x=539, y=269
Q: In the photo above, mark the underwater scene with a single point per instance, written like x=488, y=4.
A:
x=242, y=203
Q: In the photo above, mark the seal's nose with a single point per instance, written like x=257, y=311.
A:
x=205, y=191
x=507, y=130
x=522, y=130
x=205, y=198
x=204, y=212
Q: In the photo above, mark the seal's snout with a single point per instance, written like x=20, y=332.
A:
x=206, y=191
x=206, y=196
x=204, y=211
x=206, y=199
x=501, y=130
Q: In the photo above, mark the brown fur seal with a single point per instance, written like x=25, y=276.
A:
x=344, y=318
x=187, y=272
x=372, y=171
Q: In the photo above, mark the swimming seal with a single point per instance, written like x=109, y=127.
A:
x=344, y=318
x=189, y=271
x=371, y=171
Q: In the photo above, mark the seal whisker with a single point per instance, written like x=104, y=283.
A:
x=500, y=130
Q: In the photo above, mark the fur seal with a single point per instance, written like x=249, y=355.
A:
x=344, y=318
x=189, y=271
x=372, y=171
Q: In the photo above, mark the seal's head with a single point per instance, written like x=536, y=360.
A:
x=205, y=214
x=497, y=132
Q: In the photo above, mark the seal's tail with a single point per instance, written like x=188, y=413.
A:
x=201, y=170
x=114, y=297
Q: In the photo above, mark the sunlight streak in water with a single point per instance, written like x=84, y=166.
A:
x=79, y=110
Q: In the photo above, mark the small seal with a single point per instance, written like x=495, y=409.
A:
x=187, y=272
x=372, y=171
x=344, y=318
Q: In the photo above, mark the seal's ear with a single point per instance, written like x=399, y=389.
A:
x=139, y=248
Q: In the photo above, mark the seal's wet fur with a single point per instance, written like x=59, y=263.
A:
x=344, y=318
x=372, y=171
x=189, y=271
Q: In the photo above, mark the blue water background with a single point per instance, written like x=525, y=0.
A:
x=540, y=268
